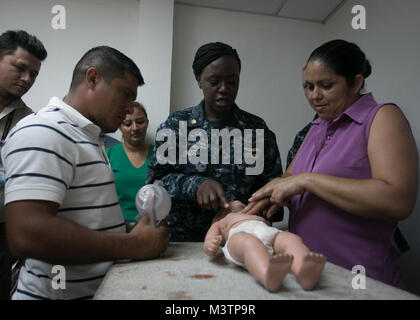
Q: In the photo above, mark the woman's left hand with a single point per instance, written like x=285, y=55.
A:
x=280, y=190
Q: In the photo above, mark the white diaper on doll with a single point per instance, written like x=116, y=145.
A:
x=258, y=229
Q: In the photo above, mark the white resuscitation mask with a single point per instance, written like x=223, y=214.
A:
x=155, y=200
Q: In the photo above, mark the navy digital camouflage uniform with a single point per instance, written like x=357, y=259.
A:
x=399, y=238
x=297, y=143
x=187, y=220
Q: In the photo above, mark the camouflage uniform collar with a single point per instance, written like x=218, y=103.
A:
x=197, y=117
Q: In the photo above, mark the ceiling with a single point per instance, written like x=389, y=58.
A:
x=309, y=10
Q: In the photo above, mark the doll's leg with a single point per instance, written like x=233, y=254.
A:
x=307, y=265
x=269, y=271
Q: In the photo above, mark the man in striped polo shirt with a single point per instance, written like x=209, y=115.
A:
x=61, y=204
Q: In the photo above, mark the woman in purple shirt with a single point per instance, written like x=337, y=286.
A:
x=355, y=175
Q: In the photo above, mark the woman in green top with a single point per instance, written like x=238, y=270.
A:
x=130, y=158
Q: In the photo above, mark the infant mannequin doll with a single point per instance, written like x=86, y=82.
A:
x=266, y=252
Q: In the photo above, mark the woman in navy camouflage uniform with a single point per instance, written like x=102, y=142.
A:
x=198, y=190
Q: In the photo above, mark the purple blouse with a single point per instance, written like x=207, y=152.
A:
x=339, y=148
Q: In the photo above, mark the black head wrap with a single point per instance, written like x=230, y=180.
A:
x=209, y=52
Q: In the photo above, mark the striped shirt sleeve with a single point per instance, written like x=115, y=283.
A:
x=39, y=163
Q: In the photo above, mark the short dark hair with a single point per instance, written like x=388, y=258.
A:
x=344, y=58
x=110, y=62
x=209, y=52
x=12, y=39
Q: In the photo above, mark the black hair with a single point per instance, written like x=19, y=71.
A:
x=110, y=62
x=12, y=39
x=344, y=58
x=209, y=52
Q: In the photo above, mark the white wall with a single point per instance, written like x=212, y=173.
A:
x=127, y=25
x=87, y=25
x=273, y=52
x=392, y=43
x=155, y=56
